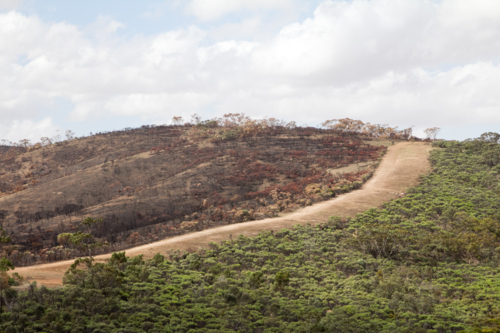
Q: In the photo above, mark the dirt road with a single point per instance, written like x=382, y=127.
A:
x=399, y=169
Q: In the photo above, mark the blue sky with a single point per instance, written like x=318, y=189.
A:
x=104, y=65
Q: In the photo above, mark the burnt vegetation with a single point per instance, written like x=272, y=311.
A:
x=153, y=182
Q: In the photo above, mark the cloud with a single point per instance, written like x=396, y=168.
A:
x=28, y=129
x=463, y=12
x=354, y=41
x=10, y=4
x=384, y=61
x=464, y=95
x=213, y=9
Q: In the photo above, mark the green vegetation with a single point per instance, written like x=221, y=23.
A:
x=428, y=262
x=83, y=241
x=7, y=294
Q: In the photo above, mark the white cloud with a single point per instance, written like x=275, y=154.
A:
x=464, y=95
x=10, y=4
x=28, y=129
x=459, y=12
x=352, y=41
x=214, y=9
x=384, y=61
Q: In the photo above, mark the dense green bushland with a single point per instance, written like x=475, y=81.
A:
x=429, y=262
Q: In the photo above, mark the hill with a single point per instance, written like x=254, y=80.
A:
x=158, y=181
x=426, y=262
x=398, y=170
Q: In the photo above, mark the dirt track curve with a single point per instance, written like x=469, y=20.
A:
x=399, y=169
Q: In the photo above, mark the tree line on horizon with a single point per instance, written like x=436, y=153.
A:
x=249, y=126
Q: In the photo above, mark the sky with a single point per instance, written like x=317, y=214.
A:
x=92, y=66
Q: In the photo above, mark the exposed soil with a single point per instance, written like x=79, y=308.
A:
x=400, y=169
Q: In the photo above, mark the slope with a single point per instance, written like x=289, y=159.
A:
x=399, y=169
x=156, y=182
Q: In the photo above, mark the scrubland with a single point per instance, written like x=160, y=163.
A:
x=426, y=262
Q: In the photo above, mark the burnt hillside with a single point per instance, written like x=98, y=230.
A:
x=158, y=181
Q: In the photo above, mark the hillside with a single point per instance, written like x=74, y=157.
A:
x=399, y=170
x=159, y=181
x=426, y=262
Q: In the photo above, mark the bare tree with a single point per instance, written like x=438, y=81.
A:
x=70, y=135
x=24, y=143
x=177, y=121
x=45, y=141
x=432, y=132
x=195, y=119
x=57, y=137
